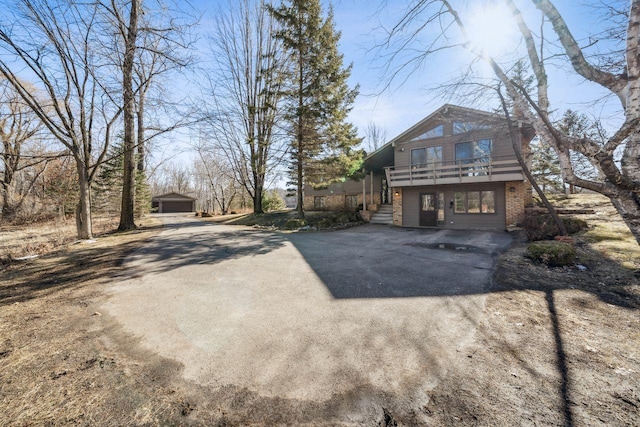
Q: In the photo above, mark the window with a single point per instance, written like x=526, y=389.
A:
x=429, y=202
x=468, y=152
x=462, y=127
x=488, y=202
x=318, y=202
x=351, y=201
x=431, y=133
x=474, y=202
x=429, y=156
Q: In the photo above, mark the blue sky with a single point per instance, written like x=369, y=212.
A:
x=405, y=103
x=409, y=99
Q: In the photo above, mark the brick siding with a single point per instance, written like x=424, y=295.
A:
x=396, y=194
x=516, y=201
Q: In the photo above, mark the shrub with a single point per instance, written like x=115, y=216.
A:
x=292, y=224
x=552, y=253
x=272, y=201
x=543, y=227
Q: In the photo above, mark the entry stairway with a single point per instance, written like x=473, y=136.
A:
x=384, y=215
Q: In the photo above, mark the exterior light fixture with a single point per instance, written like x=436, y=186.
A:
x=512, y=189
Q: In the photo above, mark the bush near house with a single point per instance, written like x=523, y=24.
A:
x=552, y=253
x=543, y=227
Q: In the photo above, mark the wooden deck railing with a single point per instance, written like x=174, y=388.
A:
x=467, y=171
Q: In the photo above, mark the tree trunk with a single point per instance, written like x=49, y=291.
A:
x=300, y=206
x=83, y=209
x=127, y=211
x=629, y=209
x=257, y=198
x=7, y=196
x=141, y=142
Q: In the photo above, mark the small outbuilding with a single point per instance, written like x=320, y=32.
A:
x=173, y=202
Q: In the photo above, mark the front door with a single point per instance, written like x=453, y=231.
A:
x=428, y=210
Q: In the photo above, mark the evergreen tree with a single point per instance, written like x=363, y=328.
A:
x=545, y=167
x=579, y=126
x=316, y=96
x=107, y=189
x=108, y=185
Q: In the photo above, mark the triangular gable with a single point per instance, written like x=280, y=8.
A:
x=464, y=120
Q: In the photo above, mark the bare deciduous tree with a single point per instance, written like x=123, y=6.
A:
x=17, y=126
x=245, y=94
x=149, y=42
x=375, y=136
x=217, y=178
x=52, y=44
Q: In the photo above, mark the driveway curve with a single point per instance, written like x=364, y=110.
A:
x=336, y=327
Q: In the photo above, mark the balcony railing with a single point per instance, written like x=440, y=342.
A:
x=463, y=171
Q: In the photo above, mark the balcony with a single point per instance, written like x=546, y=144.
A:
x=484, y=169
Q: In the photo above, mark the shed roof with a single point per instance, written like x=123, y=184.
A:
x=173, y=196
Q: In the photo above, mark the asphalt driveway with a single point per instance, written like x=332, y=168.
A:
x=325, y=327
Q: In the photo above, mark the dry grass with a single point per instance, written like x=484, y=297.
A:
x=607, y=235
x=556, y=346
x=44, y=237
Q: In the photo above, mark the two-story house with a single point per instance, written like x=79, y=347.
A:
x=456, y=168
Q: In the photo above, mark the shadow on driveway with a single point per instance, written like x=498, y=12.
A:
x=385, y=262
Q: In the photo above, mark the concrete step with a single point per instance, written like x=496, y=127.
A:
x=384, y=215
x=381, y=222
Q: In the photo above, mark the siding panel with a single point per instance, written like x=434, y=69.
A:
x=496, y=221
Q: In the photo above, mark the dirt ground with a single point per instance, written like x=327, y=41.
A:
x=556, y=346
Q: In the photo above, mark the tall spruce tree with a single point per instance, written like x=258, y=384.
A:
x=316, y=96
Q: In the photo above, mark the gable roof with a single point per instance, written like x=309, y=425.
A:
x=447, y=109
x=384, y=155
x=173, y=196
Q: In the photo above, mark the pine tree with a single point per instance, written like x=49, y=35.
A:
x=108, y=185
x=545, y=167
x=579, y=126
x=317, y=97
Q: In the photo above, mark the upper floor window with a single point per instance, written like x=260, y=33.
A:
x=468, y=152
x=462, y=127
x=431, y=133
x=427, y=156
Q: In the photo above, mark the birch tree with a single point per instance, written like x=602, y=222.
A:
x=615, y=70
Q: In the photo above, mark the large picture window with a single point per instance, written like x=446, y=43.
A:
x=474, y=202
x=473, y=151
x=428, y=156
